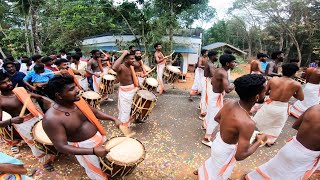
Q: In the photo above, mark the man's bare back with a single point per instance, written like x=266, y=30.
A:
x=313, y=75
x=283, y=88
x=255, y=66
x=308, y=126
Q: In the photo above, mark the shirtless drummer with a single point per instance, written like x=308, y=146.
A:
x=232, y=143
x=11, y=101
x=73, y=126
x=127, y=89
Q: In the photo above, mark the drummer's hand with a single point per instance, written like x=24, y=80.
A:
x=97, y=74
x=125, y=52
x=17, y=120
x=100, y=151
x=261, y=137
x=117, y=123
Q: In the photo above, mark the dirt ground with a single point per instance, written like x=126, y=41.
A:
x=171, y=137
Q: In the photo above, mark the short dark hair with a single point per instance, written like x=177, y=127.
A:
x=75, y=56
x=137, y=50
x=156, y=45
x=226, y=58
x=94, y=51
x=289, y=69
x=77, y=50
x=7, y=63
x=212, y=53
x=127, y=56
x=62, y=51
x=10, y=58
x=203, y=51
x=130, y=47
x=79, y=54
x=26, y=60
x=57, y=85
x=46, y=59
x=261, y=55
x=248, y=86
x=3, y=76
x=60, y=61
x=227, y=51
x=275, y=54
x=36, y=57
x=38, y=67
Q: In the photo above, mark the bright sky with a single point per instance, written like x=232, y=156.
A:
x=221, y=7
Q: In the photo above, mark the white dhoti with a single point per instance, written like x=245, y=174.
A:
x=141, y=80
x=221, y=163
x=196, y=87
x=91, y=163
x=215, y=103
x=311, y=98
x=96, y=83
x=160, y=70
x=293, y=161
x=126, y=94
x=83, y=82
x=206, y=85
x=271, y=118
x=25, y=129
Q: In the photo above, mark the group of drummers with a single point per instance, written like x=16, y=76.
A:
x=234, y=129
x=64, y=117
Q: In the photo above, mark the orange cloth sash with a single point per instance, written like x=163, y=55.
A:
x=70, y=71
x=86, y=110
x=22, y=93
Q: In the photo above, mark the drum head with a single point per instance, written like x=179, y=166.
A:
x=173, y=69
x=109, y=77
x=91, y=95
x=39, y=134
x=111, y=71
x=5, y=116
x=146, y=95
x=128, y=152
x=152, y=82
x=147, y=68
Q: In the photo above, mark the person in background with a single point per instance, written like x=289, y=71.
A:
x=17, y=64
x=48, y=62
x=36, y=60
x=25, y=65
x=12, y=168
x=15, y=76
x=63, y=54
x=35, y=81
x=315, y=63
x=132, y=49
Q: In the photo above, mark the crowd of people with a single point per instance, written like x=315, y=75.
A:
x=56, y=83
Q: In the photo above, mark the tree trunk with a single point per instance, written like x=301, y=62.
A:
x=281, y=42
x=171, y=26
x=35, y=30
x=26, y=35
x=31, y=36
x=2, y=53
x=249, y=46
x=296, y=43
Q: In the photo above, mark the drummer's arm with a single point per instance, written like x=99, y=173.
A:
x=102, y=115
x=47, y=103
x=116, y=66
x=57, y=134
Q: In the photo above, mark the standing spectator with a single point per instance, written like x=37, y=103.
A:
x=48, y=62
x=15, y=76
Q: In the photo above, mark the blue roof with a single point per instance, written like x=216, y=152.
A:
x=183, y=49
x=108, y=48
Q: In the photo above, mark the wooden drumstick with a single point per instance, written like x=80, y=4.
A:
x=134, y=77
x=150, y=71
x=24, y=107
x=125, y=130
x=166, y=57
x=122, y=140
